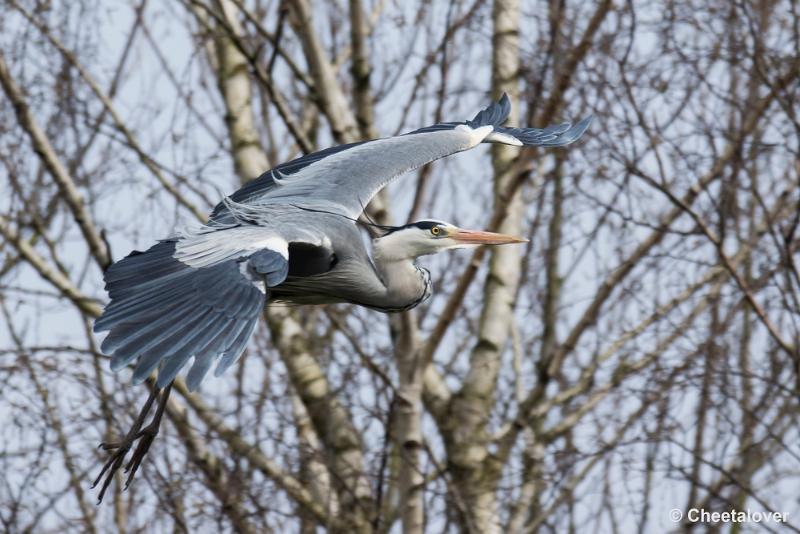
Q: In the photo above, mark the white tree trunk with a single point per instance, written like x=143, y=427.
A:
x=470, y=409
x=331, y=421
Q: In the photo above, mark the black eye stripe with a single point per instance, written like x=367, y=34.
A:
x=422, y=225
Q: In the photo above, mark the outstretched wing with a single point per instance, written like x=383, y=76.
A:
x=198, y=295
x=346, y=177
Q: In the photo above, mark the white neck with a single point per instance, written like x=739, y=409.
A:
x=392, y=247
x=405, y=284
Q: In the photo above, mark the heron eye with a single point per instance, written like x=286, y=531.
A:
x=435, y=230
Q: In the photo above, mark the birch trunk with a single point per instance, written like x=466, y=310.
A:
x=249, y=158
x=409, y=440
x=329, y=95
x=330, y=419
x=466, y=434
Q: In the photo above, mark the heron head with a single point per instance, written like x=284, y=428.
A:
x=430, y=236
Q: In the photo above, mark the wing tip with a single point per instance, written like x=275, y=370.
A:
x=495, y=114
x=164, y=379
x=575, y=132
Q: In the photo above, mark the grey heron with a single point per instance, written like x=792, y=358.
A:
x=291, y=235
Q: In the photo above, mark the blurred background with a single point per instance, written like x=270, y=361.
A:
x=639, y=355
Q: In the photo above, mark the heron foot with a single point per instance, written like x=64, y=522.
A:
x=144, y=436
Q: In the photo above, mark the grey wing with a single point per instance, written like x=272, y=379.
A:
x=345, y=181
x=259, y=187
x=552, y=136
x=345, y=178
x=497, y=113
x=165, y=310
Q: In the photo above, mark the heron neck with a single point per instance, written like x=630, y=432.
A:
x=406, y=284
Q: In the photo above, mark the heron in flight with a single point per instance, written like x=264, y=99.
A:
x=291, y=235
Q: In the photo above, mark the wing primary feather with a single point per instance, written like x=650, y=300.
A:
x=126, y=318
x=552, y=136
x=493, y=115
x=150, y=359
x=243, y=327
x=236, y=348
x=204, y=357
x=237, y=300
x=123, y=335
x=140, y=307
x=201, y=340
x=235, y=332
x=135, y=261
x=135, y=286
x=145, y=339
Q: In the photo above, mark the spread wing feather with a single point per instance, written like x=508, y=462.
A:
x=348, y=176
x=165, y=310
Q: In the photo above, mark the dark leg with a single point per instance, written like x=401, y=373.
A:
x=145, y=436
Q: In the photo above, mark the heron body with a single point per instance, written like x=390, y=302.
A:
x=291, y=235
x=325, y=273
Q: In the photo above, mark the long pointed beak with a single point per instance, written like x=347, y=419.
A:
x=474, y=237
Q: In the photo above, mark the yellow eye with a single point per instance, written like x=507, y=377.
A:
x=435, y=230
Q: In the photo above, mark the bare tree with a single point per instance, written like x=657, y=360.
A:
x=641, y=354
